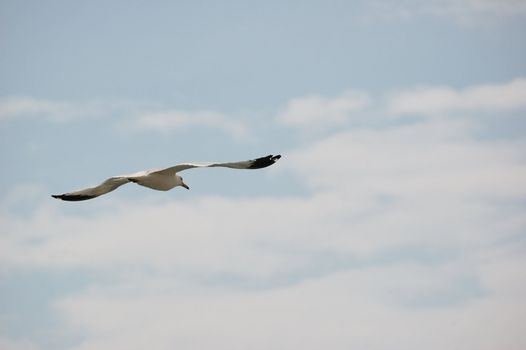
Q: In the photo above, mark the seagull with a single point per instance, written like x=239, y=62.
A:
x=160, y=179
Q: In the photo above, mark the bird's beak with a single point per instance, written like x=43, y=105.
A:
x=185, y=186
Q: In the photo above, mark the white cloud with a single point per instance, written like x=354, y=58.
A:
x=141, y=116
x=417, y=158
x=17, y=344
x=505, y=97
x=56, y=111
x=317, y=112
x=463, y=11
x=171, y=120
x=28, y=107
x=339, y=311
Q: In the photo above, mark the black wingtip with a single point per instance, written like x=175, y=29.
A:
x=72, y=198
x=264, y=162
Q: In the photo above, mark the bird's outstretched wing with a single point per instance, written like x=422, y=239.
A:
x=92, y=192
x=257, y=163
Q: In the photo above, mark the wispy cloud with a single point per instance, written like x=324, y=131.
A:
x=316, y=112
x=60, y=111
x=463, y=11
x=444, y=100
x=175, y=120
x=29, y=107
x=139, y=116
x=17, y=344
x=337, y=311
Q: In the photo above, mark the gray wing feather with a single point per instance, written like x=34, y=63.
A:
x=257, y=163
x=91, y=192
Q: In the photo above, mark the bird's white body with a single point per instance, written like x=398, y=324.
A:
x=157, y=181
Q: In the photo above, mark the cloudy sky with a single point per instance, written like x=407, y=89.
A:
x=394, y=220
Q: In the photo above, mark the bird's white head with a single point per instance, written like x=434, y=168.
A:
x=180, y=182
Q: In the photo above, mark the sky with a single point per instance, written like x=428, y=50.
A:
x=394, y=219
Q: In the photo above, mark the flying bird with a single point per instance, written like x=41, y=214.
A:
x=160, y=179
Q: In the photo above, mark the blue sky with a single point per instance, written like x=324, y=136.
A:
x=395, y=218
